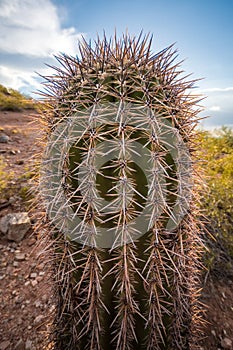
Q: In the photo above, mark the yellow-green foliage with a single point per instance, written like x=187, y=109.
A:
x=12, y=100
x=217, y=153
x=5, y=177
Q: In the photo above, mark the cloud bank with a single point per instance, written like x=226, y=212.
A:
x=32, y=29
x=218, y=106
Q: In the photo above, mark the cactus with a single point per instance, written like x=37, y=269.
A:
x=118, y=182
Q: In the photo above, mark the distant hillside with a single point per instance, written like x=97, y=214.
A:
x=13, y=100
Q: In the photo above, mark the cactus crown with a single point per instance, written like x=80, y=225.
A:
x=117, y=179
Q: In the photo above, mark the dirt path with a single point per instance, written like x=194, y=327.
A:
x=26, y=305
x=25, y=284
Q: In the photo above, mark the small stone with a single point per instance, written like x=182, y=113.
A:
x=28, y=345
x=27, y=283
x=4, y=345
x=226, y=343
x=4, y=138
x=15, y=226
x=20, y=345
x=52, y=308
x=213, y=332
x=38, y=320
x=12, y=199
x=18, y=299
x=33, y=275
x=4, y=223
x=15, y=264
x=45, y=297
x=41, y=267
x=31, y=242
x=37, y=304
x=8, y=270
x=34, y=283
x=20, y=256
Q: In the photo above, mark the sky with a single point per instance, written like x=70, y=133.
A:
x=33, y=31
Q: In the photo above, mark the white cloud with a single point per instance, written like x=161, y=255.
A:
x=33, y=28
x=218, y=106
x=216, y=89
x=215, y=108
x=22, y=79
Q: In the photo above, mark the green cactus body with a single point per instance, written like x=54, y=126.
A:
x=117, y=181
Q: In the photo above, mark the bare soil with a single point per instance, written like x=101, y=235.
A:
x=26, y=303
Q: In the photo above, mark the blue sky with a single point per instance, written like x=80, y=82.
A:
x=32, y=31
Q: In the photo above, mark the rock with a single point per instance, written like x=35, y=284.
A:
x=38, y=320
x=18, y=300
x=20, y=345
x=41, y=267
x=4, y=345
x=34, y=283
x=15, y=225
x=28, y=345
x=20, y=256
x=226, y=343
x=31, y=242
x=37, y=303
x=213, y=332
x=4, y=139
x=33, y=275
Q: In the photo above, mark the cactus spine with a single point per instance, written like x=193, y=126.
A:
x=116, y=183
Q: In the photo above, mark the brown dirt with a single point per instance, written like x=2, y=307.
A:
x=26, y=306
x=25, y=286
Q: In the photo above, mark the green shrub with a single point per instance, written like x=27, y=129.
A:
x=5, y=177
x=217, y=152
x=12, y=100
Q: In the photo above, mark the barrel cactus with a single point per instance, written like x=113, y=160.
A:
x=118, y=183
